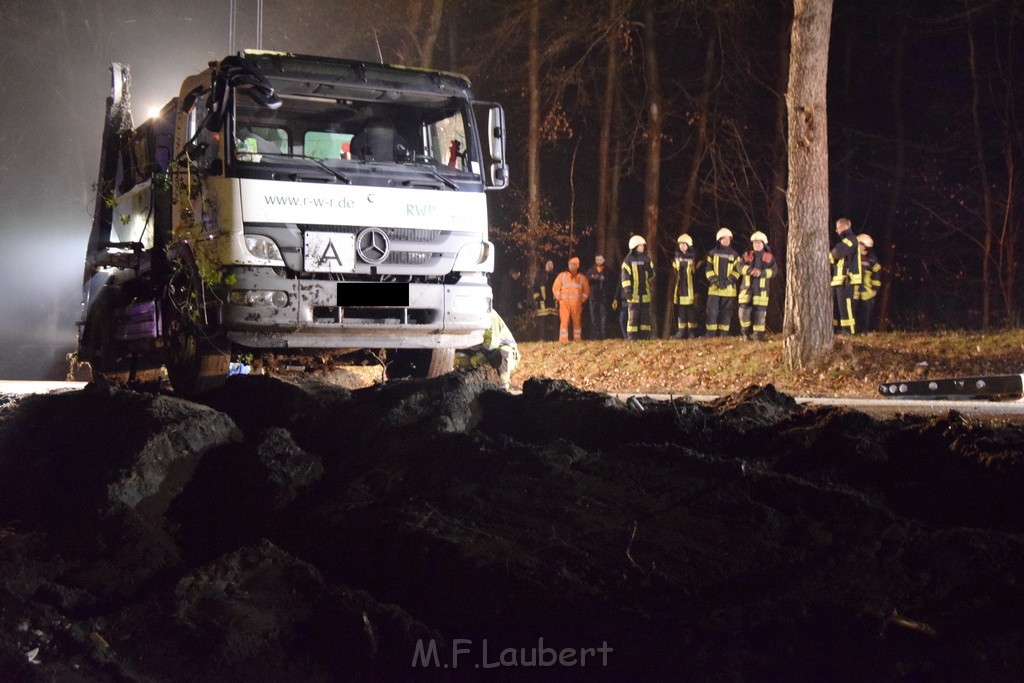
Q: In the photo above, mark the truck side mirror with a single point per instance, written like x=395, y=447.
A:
x=496, y=141
x=496, y=132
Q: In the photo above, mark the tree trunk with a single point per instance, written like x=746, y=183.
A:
x=886, y=250
x=424, y=30
x=655, y=125
x=533, y=142
x=607, y=116
x=693, y=176
x=808, y=318
x=986, y=193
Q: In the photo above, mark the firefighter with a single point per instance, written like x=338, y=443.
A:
x=756, y=270
x=685, y=264
x=846, y=274
x=602, y=291
x=571, y=290
x=637, y=275
x=864, y=293
x=545, y=304
x=722, y=271
x=499, y=350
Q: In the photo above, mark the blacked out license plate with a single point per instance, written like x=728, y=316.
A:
x=373, y=293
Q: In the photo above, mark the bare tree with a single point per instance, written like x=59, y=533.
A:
x=807, y=325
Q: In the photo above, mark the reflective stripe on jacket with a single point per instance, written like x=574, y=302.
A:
x=871, y=281
x=754, y=289
x=637, y=274
x=570, y=288
x=721, y=269
x=845, y=260
x=684, y=265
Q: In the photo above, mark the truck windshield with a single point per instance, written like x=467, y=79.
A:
x=431, y=133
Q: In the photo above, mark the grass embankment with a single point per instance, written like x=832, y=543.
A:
x=855, y=368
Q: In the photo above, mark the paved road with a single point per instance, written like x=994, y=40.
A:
x=1009, y=411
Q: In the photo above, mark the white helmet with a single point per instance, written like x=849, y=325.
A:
x=759, y=237
x=685, y=238
x=866, y=240
x=723, y=232
x=635, y=241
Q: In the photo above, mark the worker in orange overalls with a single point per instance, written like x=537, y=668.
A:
x=571, y=289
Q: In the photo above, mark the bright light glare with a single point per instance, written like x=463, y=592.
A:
x=154, y=112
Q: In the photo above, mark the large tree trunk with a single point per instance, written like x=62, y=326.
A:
x=986, y=193
x=808, y=318
x=607, y=116
x=655, y=125
x=533, y=142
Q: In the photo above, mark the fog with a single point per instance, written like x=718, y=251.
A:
x=54, y=82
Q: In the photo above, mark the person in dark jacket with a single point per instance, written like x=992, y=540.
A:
x=864, y=294
x=722, y=271
x=756, y=270
x=683, y=296
x=637, y=276
x=602, y=290
x=846, y=274
x=545, y=306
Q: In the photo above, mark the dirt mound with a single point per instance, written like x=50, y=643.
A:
x=291, y=530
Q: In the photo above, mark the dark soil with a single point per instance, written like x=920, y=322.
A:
x=293, y=530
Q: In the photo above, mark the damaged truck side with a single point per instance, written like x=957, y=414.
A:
x=289, y=204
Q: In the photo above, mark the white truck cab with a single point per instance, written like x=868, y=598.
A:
x=285, y=203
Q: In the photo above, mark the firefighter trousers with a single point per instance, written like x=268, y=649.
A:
x=752, y=319
x=719, y=318
x=843, y=319
x=638, y=323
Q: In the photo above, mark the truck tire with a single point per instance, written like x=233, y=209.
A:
x=419, y=363
x=442, y=361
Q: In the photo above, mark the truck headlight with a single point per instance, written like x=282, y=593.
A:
x=477, y=258
x=263, y=248
x=258, y=297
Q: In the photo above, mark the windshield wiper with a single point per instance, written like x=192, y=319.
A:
x=435, y=175
x=337, y=174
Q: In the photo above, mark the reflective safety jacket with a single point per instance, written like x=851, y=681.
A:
x=845, y=260
x=722, y=271
x=544, y=301
x=498, y=335
x=754, y=288
x=871, y=279
x=569, y=288
x=685, y=266
x=637, y=274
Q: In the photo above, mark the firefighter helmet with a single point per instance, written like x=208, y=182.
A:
x=723, y=232
x=866, y=240
x=759, y=237
x=685, y=238
x=635, y=241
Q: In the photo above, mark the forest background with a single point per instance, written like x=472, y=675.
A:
x=652, y=117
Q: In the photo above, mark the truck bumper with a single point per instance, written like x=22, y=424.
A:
x=437, y=315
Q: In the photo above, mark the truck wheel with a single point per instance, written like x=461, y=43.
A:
x=442, y=361
x=419, y=363
x=193, y=364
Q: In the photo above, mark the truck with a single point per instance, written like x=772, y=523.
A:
x=291, y=204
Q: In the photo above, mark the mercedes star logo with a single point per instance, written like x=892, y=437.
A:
x=373, y=245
